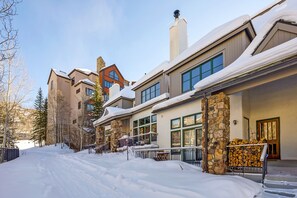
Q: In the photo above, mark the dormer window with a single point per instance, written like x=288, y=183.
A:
x=190, y=78
x=113, y=75
x=150, y=93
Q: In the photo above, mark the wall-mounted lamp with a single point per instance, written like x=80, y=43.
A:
x=235, y=122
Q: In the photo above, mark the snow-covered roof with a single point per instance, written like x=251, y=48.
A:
x=208, y=39
x=111, y=112
x=124, y=93
x=174, y=100
x=151, y=74
x=248, y=62
x=61, y=73
x=87, y=81
x=86, y=71
x=88, y=130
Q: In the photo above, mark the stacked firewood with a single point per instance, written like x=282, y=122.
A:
x=248, y=156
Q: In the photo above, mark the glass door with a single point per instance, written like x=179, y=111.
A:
x=269, y=130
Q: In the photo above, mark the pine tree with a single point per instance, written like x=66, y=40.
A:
x=39, y=122
x=98, y=101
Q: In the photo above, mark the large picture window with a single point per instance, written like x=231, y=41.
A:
x=89, y=92
x=107, y=84
x=190, y=78
x=150, y=93
x=113, y=75
x=143, y=128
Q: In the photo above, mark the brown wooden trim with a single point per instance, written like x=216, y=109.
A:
x=278, y=134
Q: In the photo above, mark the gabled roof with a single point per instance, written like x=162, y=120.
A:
x=126, y=93
x=247, y=62
x=151, y=75
x=83, y=71
x=115, y=112
x=113, y=65
x=58, y=73
x=212, y=37
x=85, y=81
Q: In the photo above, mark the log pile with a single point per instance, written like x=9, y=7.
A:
x=247, y=156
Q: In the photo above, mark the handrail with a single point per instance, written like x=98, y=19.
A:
x=264, y=151
x=173, y=148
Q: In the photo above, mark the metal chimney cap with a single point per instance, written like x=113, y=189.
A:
x=176, y=14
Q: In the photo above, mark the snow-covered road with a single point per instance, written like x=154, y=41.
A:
x=51, y=172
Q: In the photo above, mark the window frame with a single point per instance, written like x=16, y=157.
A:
x=174, y=120
x=87, y=91
x=190, y=72
x=151, y=92
x=113, y=74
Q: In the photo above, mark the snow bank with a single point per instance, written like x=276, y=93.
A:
x=53, y=172
x=24, y=144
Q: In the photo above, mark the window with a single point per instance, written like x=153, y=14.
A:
x=113, y=75
x=175, y=123
x=74, y=121
x=192, y=120
x=144, y=121
x=175, y=139
x=154, y=118
x=106, y=97
x=135, y=123
x=107, y=84
x=52, y=84
x=142, y=129
x=79, y=105
x=150, y=93
x=189, y=137
x=89, y=92
x=77, y=91
x=190, y=78
x=72, y=81
x=90, y=107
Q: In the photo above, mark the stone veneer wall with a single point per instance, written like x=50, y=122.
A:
x=218, y=133
x=115, y=134
x=99, y=135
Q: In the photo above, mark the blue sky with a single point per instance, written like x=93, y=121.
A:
x=133, y=34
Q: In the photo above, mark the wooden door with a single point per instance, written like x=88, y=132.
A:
x=270, y=130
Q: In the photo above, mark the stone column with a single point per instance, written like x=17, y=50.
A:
x=116, y=126
x=99, y=135
x=218, y=133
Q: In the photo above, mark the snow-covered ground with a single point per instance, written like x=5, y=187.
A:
x=54, y=172
x=24, y=144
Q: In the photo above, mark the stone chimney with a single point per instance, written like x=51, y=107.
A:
x=114, y=89
x=100, y=64
x=178, y=36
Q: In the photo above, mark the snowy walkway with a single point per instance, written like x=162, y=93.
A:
x=50, y=172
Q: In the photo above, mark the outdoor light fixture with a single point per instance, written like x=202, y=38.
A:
x=235, y=122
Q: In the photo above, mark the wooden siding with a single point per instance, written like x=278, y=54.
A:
x=231, y=50
x=280, y=33
x=160, y=79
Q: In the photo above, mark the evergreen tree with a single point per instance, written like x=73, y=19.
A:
x=98, y=101
x=39, y=121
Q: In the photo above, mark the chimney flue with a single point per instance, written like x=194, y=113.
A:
x=176, y=14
